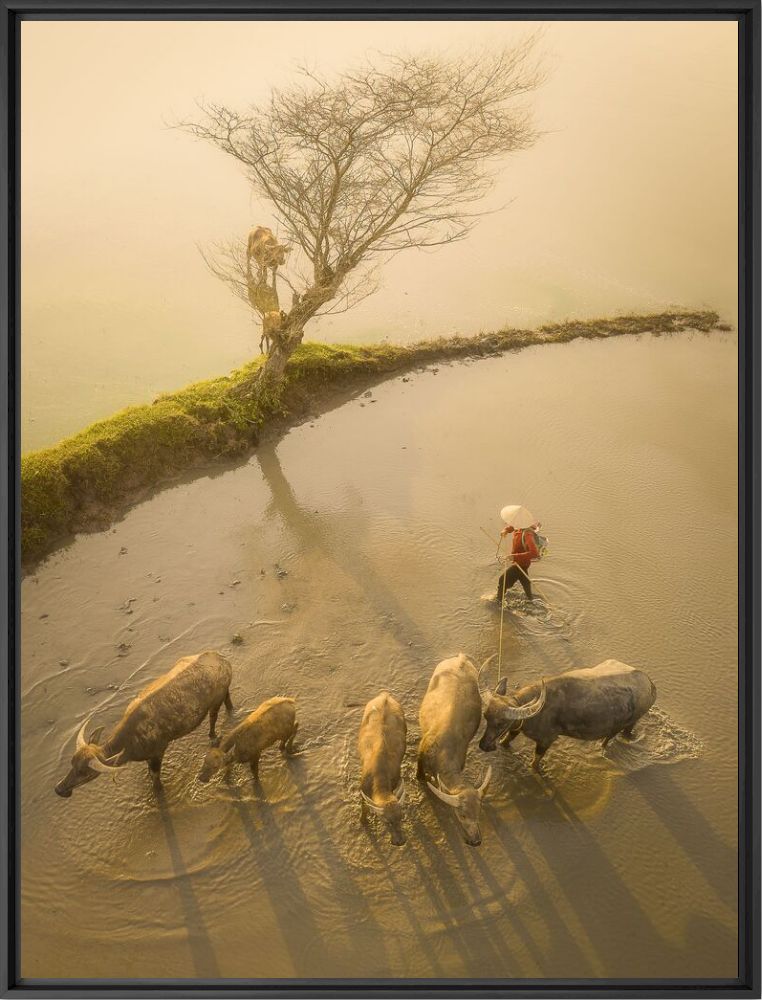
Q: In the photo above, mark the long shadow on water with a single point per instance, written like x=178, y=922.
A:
x=595, y=877
x=509, y=911
x=717, y=862
x=447, y=898
x=624, y=936
x=200, y=946
x=502, y=949
x=424, y=944
x=312, y=531
x=290, y=904
x=561, y=937
x=355, y=909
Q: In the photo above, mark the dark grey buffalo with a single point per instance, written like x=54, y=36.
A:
x=595, y=703
x=273, y=722
x=450, y=714
x=171, y=707
x=381, y=744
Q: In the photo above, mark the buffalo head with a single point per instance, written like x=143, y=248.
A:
x=505, y=716
x=214, y=761
x=89, y=762
x=467, y=803
x=390, y=812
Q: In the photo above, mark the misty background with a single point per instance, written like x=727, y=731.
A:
x=627, y=202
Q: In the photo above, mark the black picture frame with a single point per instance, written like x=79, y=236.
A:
x=747, y=14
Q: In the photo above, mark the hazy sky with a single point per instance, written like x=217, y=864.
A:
x=627, y=202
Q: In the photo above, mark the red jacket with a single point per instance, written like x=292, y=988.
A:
x=524, y=548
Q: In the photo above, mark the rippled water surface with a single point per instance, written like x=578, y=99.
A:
x=350, y=558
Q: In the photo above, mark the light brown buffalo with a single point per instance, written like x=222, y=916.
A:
x=273, y=722
x=450, y=714
x=381, y=745
x=264, y=249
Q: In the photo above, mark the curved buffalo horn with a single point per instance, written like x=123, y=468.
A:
x=399, y=791
x=370, y=803
x=105, y=766
x=81, y=741
x=528, y=710
x=488, y=660
x=485, y=781
x=451, y=800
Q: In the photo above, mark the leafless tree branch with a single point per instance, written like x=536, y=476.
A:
x=394, y=154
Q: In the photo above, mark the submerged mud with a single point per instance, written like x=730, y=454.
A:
x=349, y=558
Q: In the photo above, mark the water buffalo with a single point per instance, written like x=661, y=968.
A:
x=382, y=746
x=171, y=707
x=272, y=323
x=263, y=247
x=450, y=714
x=273, y=722
x=591, y=704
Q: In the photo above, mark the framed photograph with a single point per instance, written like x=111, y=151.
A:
x=382, y=494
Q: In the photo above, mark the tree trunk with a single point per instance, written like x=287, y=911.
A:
x=265, y=386
x=271, y=373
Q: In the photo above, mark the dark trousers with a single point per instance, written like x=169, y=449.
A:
x=507, y=580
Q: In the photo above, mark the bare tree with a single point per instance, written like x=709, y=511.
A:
x=397, y=154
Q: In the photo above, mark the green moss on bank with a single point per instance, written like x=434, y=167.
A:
x=86, y=480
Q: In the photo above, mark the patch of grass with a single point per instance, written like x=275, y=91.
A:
x=86, y=480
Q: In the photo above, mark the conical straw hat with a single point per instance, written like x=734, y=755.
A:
x=517, y=515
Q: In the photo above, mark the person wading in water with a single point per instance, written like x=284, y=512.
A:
x=523, y=550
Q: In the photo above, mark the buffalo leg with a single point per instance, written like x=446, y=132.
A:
x=154, y=768
x=287, y=745
x=214, y=711
x=420, y=772
x=539, y=752
x=254, y=765
x=228, y=702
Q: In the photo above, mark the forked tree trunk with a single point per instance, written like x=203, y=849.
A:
x=265, y=385
x=271, y=373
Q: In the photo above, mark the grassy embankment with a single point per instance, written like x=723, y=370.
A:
x=87, y=480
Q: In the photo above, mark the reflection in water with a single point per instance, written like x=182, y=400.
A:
x=328, y=535
x=350, y=559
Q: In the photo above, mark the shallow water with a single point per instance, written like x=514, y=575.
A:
x=621, y=863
